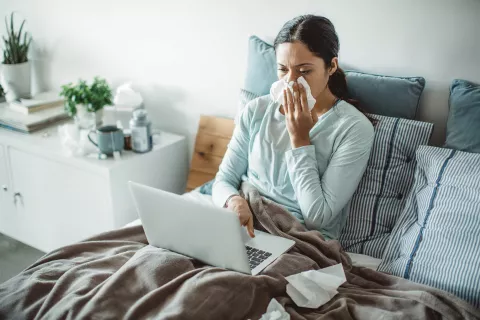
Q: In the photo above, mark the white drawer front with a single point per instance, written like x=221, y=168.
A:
x=6, y=199
x=57, y=204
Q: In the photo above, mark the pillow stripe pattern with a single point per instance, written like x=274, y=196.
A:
x=358, y=228
x=384, y=176
x=436, y=241
x=381, y=194
x=406, y=275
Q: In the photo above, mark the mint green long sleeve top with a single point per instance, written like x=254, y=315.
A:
x=314, y=183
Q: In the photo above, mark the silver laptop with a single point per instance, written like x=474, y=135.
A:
x=207, y=233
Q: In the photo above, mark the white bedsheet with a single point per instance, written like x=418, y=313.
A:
x=359, y=260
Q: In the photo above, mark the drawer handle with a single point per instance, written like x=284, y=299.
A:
x=19, y=195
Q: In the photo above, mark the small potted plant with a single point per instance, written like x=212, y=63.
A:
x=15, y=67
x=86, y=102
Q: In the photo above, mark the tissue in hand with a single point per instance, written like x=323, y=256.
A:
x=276, y=91
x=314, y=288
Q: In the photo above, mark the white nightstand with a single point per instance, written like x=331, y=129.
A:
x=48, y=200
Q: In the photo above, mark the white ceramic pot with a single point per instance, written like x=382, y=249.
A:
x=15, y=80
x=88, y=120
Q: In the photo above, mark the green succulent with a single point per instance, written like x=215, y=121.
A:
x=94, y=97
x=15, y=44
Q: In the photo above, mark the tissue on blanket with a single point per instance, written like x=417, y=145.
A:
x=276, y=91
x=275, y=311
x=314, y=288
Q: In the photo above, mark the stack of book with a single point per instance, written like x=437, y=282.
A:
x=29, y=115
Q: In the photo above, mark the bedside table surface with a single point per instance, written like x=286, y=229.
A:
x=47, y=143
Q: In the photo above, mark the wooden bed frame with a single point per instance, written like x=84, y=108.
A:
x=213, y=136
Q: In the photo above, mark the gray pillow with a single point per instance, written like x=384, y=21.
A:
x=261, y=66
x=384, y=95
x=388, y=96
x=436, y=240
x=463, y=125
x=380, y=197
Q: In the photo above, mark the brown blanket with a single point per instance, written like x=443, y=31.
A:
x=118, y=275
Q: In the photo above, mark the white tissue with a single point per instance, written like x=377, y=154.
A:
x=276, y=91
x=314, y=288
x=74, y=141
x=126, y=97
x=275, y=311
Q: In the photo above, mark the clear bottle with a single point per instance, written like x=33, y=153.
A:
x=141, y=130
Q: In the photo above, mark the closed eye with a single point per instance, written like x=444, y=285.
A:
x=305, y=71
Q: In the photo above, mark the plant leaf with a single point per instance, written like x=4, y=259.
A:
x=6, y=27
x=20, y=30
x=12, y=29
x=16, y=44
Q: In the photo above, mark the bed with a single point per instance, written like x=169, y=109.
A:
x=211, y=142
x=118, y=275
x=359, y=260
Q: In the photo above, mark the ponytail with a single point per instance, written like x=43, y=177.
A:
x=337, y=83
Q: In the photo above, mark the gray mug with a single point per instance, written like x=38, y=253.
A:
x=109, y=139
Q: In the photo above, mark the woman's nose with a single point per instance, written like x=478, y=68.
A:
x=291, y=76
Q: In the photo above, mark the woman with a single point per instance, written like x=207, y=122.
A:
x=308, y=162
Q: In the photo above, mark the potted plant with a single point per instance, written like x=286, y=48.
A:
x=15, y=69
x=85, y=102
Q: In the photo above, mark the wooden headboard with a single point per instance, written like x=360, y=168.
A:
x=213, y=136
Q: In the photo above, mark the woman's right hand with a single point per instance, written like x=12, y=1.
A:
x=240, y=206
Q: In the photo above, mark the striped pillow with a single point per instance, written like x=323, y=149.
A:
x=436, y=241
x=380, y=196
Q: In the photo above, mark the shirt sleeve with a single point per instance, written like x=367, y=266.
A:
x=322, y=198
x=235, y=162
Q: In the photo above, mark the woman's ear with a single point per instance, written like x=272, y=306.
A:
x=333, y=66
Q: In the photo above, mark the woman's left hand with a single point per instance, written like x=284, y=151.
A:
x=298, y=117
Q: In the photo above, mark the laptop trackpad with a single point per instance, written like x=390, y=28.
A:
x=267, y=242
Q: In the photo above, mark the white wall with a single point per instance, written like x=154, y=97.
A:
x=188, y=57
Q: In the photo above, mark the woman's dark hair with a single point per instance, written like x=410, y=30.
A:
x=319, y=35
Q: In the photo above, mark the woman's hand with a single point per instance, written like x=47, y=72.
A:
x=298, y=117
x=240, y=206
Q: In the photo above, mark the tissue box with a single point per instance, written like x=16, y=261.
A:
x=112, y=114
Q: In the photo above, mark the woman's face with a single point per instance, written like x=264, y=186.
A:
x=294, y=60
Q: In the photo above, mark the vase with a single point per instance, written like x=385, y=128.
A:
x=88, y=120
x=15, y=80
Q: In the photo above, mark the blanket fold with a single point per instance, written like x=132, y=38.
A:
x=117, y=275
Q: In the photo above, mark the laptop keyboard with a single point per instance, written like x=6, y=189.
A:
x=256, y=256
